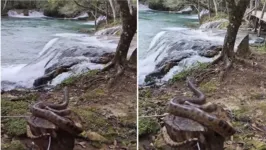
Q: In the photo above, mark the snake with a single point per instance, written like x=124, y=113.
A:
x=54, y=113
x=176, y=107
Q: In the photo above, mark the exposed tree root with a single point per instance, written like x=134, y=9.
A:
x=217, y=60
x=227, y=66
x=205, y=75
x=108, y=66
x=120, y=70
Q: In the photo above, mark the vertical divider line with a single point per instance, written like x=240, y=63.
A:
x=137, y=75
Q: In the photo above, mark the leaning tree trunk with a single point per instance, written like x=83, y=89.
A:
x=209, y=7
x=113, y=9
x=236, y=13
x=215, y=7
x=129, y=27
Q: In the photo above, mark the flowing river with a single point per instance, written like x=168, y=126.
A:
x=32, y=44
x=164, y=38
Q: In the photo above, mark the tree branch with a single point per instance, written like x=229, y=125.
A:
x=93, y=7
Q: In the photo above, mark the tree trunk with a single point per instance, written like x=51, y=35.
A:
x=129, y=27
x=209, y=7
x=4, y=5
x=199, y=11
x=113, y=9
x=236, y=13
x=215, y=7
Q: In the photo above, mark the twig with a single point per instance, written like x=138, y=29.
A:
x=49, y=145
x=154, y=116
x=198, y=146
x=14, y=116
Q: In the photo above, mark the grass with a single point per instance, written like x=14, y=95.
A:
x=215, y=17
x=261, y=49
x=72, y=80
x=13, y=145
x=14, y=126
x=209, y=87
x=95, y=122
x=96, y=93
x=187, y=72
x=148, y=126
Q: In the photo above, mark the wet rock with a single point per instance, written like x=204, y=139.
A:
x=43, y=80
x=243, y=47
x=259, y=40
x=177, y=49
x=104, y=59
x=211, y=52
x=64, y=64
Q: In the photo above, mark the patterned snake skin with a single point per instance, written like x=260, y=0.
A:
x=177, y=108
x=54, y=113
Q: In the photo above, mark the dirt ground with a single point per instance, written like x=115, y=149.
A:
x=108, y=112
x=242, y=92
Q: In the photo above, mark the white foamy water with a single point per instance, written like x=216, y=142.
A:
x=89, y=23
x=190, y=17
x=172, y=43
x=143, y=7
x=32, y=14
x=64, y=48
x=48, y=45
x=83, y=15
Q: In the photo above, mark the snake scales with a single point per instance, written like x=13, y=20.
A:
x=55, y=114
x=193, y=108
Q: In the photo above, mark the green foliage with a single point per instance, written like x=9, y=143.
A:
x=69, y=81
x=210, y=86
x=224, y=25
x=192, y=25
x=219, y=16
x=14, y=126
x=186, y=72
x=73, y=79
x=94, y=121
x=13, y=107
x=173, y=5
x=148, y=126
x=262, y=49
x=145, y=93
x=96, y=93
x=157, y=5
x=14, y=145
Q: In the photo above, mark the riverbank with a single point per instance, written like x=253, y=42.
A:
x=108, y=115
x=175, y=53
x=242, y=93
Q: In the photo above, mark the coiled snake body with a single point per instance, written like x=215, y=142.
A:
x=176, y=107
x=54, y=113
